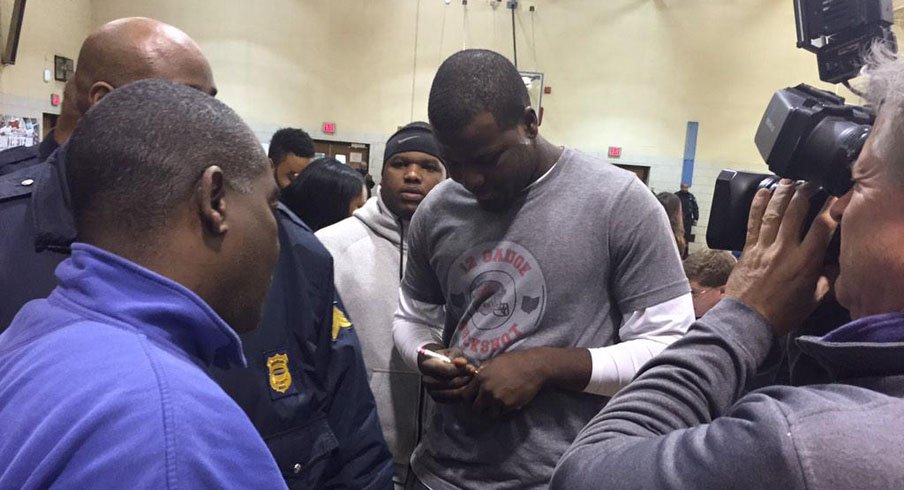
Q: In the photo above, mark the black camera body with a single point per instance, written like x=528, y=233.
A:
x=805, y=134
x=810, y=134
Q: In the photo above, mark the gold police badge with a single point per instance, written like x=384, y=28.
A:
x=280, y=377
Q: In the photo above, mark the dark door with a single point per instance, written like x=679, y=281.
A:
x=643, y=173
x=355, y=155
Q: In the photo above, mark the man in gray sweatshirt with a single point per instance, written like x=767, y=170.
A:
x=683, y=423
x=557, y=275
x=369, y=254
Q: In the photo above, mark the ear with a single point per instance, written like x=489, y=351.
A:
x=98, y=91
x=531, y=122
x=275, y=169
x=722, y=290
x=209, y=196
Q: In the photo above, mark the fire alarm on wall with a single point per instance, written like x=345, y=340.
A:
x=614, y=152
x=54, y=100
x=328, y=127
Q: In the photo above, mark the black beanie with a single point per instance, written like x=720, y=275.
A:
x=416, y=136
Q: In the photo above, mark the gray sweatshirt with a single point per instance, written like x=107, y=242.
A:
x=562, y=266
x=367, y=255
x=683, y=423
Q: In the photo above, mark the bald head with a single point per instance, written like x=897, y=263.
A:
x=137, y=48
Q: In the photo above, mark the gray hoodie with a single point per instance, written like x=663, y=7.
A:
x=368, y=256
x=684, y=424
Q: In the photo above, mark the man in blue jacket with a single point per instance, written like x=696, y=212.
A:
x=304, y=347
x=101, y=384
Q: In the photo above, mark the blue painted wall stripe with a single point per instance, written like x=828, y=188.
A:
x=690, y=152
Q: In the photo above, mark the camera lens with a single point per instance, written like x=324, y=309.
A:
x=826, y=157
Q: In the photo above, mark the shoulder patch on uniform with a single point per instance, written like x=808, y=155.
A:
x=340, y=321
x=279, y=374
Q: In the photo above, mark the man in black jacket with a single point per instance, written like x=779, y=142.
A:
x=690, y=209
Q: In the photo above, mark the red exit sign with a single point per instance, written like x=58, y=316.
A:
x=614, y=152
x=329, y=127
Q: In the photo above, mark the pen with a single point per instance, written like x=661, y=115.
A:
x=429, y=353
x=434, y=355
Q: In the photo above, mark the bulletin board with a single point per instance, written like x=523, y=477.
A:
x=19, y=131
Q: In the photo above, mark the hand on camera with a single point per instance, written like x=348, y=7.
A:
x=445, y=382
x=780, y=274
x=508, y=382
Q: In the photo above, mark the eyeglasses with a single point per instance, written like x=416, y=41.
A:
x=698, y=292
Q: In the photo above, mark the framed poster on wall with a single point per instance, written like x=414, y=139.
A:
x=62, y=68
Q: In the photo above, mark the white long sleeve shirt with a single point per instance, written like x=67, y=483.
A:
x=643, y=334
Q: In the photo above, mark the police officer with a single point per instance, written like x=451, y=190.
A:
x=306, y=386
x=34, y=211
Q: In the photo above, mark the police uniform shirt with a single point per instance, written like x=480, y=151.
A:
x=37, y=229
x=19, y=157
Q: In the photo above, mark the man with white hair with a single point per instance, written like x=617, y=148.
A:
x=686, y=422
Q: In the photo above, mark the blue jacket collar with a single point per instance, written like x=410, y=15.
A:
x=108, y=287
x=888, y=327
x=870, y=346
x=292, y=216
x=51, y=210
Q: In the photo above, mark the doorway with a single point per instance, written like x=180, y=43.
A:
x=355, y=155
x=642, y=172
x=49, y=122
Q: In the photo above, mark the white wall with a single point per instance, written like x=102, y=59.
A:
x=627, y=73
x=50, y=27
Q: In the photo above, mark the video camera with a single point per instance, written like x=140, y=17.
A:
x=807, y=133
